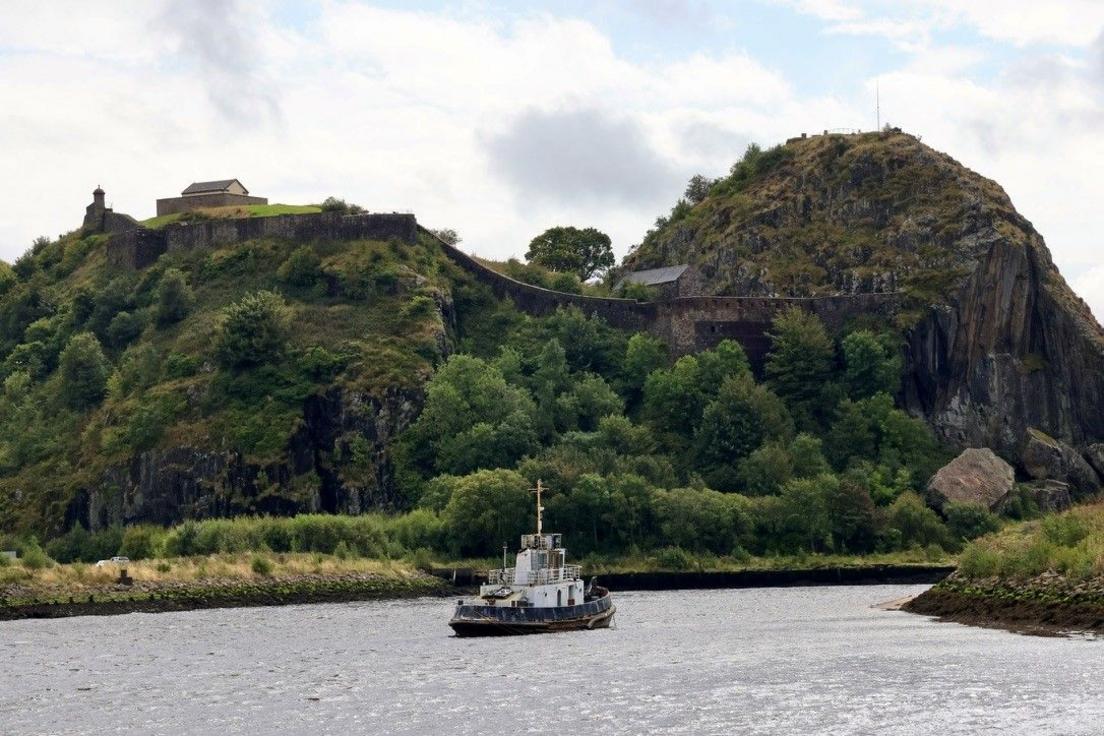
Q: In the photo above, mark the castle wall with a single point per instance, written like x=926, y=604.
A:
x=172, y=205
x=686, y=324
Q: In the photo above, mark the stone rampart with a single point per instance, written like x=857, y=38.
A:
x=686, y=324
x=172, y=205
x=140, y=248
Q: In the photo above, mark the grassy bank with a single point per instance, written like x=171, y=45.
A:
x=1039, y=575
x=205, y=581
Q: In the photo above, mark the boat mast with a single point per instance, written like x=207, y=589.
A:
x=540, y=508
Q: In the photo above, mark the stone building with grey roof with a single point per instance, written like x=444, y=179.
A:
x=668, y=282
x=202, y=194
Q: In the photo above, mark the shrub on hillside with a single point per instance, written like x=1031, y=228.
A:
x=174, y=297
x=84, y=371
x=301, y=268
x=253, y=331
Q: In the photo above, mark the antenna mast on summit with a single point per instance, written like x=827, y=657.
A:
x=878, y=104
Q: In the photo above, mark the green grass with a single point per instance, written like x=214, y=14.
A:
x=1070, y=544
x=232, y=212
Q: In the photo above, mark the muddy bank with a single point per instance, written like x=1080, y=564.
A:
x=274, y=592
x=1049, y=606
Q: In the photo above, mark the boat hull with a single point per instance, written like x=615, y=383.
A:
x=474, y=620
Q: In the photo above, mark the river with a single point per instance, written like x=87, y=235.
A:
x=757, y=661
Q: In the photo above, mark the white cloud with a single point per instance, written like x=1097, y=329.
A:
x=401, y=110
x=1090, y=285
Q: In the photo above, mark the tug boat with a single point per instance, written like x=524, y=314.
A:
x=539, y=594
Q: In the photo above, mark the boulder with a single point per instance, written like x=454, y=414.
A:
x=975, y=476
x=1050, y=495
x=1046, y=458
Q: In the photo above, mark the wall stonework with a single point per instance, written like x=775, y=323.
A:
x=687, y=324
x=139, y=248
x=172, y=205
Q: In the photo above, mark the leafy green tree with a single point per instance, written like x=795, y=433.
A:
x=8, y=278
x=253, y=330
x=765, y=471
x=123, y=329
x=726, y=360
x=698, y=188
x=643, y=354
x=593, y=399
x=872, y=430
x=472, y=418
x=872, y=364
x=853, y=517
x=84, y=371
x=730, y=429
x=915, y=523
x=674, y=399
x=301, y=268
x=808, y=460
x=487, y=509
x=701, y=520
x=174, y=297
x=805, y=522
x=800, y=362
x=584, y=252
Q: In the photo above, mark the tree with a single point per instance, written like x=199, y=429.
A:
x=765, y=471
x=698, y=188
x=729, y=430
x=7, y=278
x=487, y=509
x=84, y=371
x=643, y=354
x=854, y=520
x=585, y=252
x=800, y=361
x=916, y=523
x=872, y=364
x=673, y=398
x=967, y=521
x=253, y=331
x=174, y=297
x=301, y=268
x=123, y=328
x=448, y=235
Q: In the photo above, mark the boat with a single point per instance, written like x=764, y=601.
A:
x=541, y=593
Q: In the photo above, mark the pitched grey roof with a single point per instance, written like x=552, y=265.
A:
x=203, y=187
x=655, y=276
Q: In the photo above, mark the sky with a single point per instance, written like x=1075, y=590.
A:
x=501, y=119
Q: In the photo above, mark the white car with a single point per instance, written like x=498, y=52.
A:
x=113, y=561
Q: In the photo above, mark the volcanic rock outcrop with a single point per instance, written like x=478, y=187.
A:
x=996, y=341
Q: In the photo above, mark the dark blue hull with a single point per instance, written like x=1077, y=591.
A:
x=476, y=620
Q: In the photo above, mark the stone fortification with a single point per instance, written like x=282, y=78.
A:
x=172, y=205
x=141, y=247
x=686, y=324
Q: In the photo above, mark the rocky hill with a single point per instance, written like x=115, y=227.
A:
x=997, y=342
x=176, y=431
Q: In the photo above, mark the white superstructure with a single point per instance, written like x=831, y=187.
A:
x=540, y=577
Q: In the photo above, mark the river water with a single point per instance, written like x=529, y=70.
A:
x=766, y=661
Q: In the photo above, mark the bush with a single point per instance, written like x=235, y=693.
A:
x=918, y=525
x=123, y=329
x=301, y=268
x=84, y=371
x=140, y=542
x=334, y=204
x=261, y=565
x=966, y=521
x=174, y=297
x=253, y=330
x=674, y=558
x=34, y=558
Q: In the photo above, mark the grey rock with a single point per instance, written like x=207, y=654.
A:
x=1050, y=495
x=1046, y=458
x=975, y=476
x=1095, y=455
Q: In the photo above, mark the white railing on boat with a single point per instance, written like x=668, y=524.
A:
x=534, y=577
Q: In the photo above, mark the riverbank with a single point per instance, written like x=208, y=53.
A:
x=218, y=581
x=1046, y=604
x=1040, y=576
x=225, y=581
